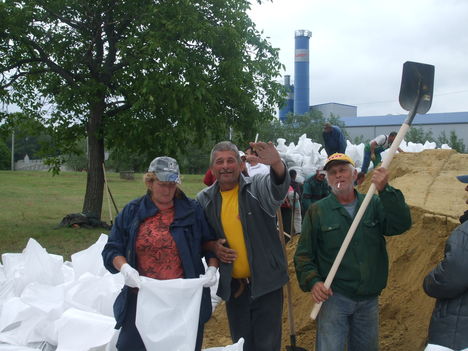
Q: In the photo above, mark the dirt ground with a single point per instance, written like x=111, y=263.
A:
x=437, y=199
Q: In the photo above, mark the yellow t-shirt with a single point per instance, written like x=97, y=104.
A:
x=232, y=227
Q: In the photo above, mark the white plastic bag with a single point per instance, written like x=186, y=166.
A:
x=80, y=330
x=168, y=312
x=90, y=259
x=238, y=346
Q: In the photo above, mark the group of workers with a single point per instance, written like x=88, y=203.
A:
x=233, y=224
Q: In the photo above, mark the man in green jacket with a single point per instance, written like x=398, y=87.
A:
x=315, y=188
x=349, y=314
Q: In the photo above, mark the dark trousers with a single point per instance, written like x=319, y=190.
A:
x=129, y=337
x=258, y=320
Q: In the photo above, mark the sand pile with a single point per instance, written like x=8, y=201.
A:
x=437, y=199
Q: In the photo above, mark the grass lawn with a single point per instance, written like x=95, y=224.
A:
x=33, y=203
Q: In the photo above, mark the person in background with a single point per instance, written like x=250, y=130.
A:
x=209, y=178
x=242, y=211
x=333, y=139
x=243, y=158
x=254, y=165
x=349, y=317
x=159, y=235
x=374, y=148
x=315, y=188
x=448, y=283
x=291, y=208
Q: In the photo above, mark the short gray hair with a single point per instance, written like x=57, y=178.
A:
x=224, y=146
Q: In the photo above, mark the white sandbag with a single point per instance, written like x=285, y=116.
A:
x=45, y=298
x=168, y=312
x=14, y=311
x=8, y=347
x=12, y=264
x=90, y=259
x=428, y=145
x=40, y=266
x=68, y=272
x=356, y=152
x=33, y=265
x=2, y=274
x=6, y=291
x=93, y=293
x=81, y=330
x=305, y=146
x=238, y=346
x=281, y=145
x=25, y=331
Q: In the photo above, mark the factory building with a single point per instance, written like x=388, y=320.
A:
x=371, y=126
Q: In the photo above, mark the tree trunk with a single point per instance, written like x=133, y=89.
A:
x=95, y=180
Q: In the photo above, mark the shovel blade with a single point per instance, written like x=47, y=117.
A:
x=417, y=83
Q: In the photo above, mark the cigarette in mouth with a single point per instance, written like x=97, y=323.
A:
x=338, y=185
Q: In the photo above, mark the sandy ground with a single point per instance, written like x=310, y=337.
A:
x=437, y=199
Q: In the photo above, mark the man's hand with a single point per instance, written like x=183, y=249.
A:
x=320, y=293
x=372, y=156
x=224, y=254
x=266, y=152
x=380, y=178
x=131, y=276
x=268, y=155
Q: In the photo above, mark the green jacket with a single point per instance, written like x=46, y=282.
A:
x=364, y=269
x=313, y=191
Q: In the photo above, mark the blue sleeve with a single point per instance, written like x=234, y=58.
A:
x=207, y=232
x=326, y=142
x=117, y=241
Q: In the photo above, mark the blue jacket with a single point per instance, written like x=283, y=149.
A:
x=448, y=283
x=189, y=231
x=334, y=141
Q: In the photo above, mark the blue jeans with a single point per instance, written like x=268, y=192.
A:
x=343, y=321
x=367, y=158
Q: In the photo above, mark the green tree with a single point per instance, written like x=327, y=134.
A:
x=453, y=141
x=5, y=156
x=31, y=137
x=418, y=135
x=135, y=75
x=358, y=140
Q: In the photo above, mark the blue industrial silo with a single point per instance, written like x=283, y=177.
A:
x=301, y=72
x=288, y=106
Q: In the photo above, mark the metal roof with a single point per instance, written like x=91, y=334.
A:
x=393, y=120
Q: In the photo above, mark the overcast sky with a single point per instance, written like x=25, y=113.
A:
x=358, y=48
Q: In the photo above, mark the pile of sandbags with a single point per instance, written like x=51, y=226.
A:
x=49, y=304
x=308, y=156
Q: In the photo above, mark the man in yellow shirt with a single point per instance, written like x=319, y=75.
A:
x=242, y=211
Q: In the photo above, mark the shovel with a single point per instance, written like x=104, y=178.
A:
x=292, y=328
x=417, y=84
